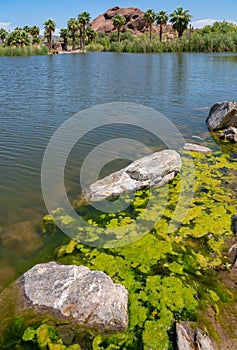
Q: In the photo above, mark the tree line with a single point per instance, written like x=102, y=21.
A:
x=221, y=36
x=179, y=19
x=79, y=28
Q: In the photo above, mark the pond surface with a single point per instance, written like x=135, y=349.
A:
x=39, y=93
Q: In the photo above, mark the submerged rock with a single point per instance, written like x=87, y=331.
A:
x=233, y=254
x=154, y=170
x=193, y=147
x=234, y=224
x=192, y=339
x=84, y=298
x=222, y=115
x=21, y=239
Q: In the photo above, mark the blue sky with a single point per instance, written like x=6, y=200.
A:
x=15, y=13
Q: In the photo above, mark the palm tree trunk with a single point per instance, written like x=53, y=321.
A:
x=80, y=35
x=83, y=36
x=161, y=32
x=118, y=31
x=50, y=40
x=150, y=25
x=73, y=42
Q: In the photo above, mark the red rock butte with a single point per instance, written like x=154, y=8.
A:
x=135, y=21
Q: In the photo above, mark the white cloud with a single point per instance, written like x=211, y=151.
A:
x=207, y=21
x=203, y=22
x=56, y=32
x=5, y=25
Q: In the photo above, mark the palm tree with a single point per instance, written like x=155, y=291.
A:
x=84, y=18
x=91, y=34
x=64, y=35
x=118, y=22
x=49, y=27
x=18, y=37
x=3, y=34
x=73, y=27
x=150, y=18
x=26, y=29
x=34, y=32
x=162, y=19
x=180, y=19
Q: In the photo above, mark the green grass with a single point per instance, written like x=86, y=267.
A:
x=207, y=42
x=23, y=51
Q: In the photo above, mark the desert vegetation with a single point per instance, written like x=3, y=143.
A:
x=79, y=35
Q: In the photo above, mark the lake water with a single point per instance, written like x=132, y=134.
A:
x=39, y=93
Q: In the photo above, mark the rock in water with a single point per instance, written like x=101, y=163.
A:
x=234, y=224
x=193, y=147
x=185, y=337
x=192, y=339
x=230, y=134
x=84, y=298
x=154, y=170
x=222, y=115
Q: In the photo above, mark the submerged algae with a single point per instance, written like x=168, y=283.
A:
x=169, y=275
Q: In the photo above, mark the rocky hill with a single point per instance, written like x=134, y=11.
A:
x=135, y=22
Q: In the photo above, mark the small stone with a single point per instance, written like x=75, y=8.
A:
x=193, y=147
x=234, y=224
x=233, y=254
x=229, y=134
x=233, y=157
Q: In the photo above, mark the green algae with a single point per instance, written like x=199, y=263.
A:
x=45, y=337
x=170, y=274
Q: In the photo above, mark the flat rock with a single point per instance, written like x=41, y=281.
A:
x=154, y=170
x=21, y=239
x=193, y=147
x=222, y=115
x=83, y=298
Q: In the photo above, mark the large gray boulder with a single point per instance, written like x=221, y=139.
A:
x=154, y=170
x=222, y=115
x=67, y=293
